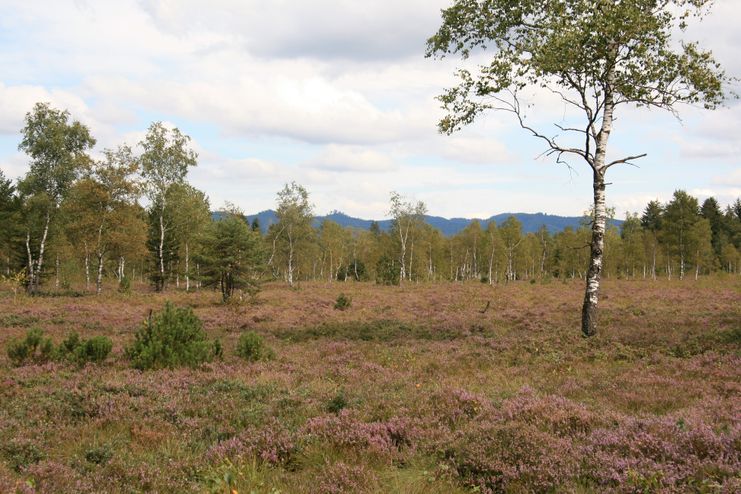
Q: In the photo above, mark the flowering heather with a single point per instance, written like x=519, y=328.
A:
x=271, y=444
x=344, y=430
x=342, y=478
x=411, y=389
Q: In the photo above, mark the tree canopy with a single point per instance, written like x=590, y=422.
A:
x=596, y=55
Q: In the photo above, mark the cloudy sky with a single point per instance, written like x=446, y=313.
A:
x=336, y=95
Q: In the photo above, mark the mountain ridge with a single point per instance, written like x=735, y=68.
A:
x=531, y=222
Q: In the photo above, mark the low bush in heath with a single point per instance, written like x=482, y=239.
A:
x=497, y=456
x=80, y=351
x=251, y=347
x=172, y=338
x=272, y=444
x=343, y=302
x=34, y=348
x=37, y=349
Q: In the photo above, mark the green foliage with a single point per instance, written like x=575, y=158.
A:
x=576, y=45
x=386, y=272
x=355, y=269
x=164, y=164
x=57, y=148
x=293, y=232
x=34, y=348
x=124, y=286
x=99, y=455
x=230, y=256
x=21, y=454
x=343, y=302
x=94, y=350
x=337, y=403
x=251, y=347
x=172, y=338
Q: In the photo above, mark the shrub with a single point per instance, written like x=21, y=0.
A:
x=33, y=348
x=387, y=273
x=80, y=351
x=172, y=338
x=337, y=403
x=343, y=302
x=19, y=454
x=251, y=347
x=124, y=286
x=96, y=349
x=492, y=457
x=99, y=455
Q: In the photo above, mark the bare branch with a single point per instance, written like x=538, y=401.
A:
x=628, y=160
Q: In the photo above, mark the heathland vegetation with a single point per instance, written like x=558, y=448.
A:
x=152, y=344
x=168, y=349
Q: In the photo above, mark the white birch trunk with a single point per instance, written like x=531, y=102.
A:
x=591, y=293
x=99, y=277
x=187, y=267
x=160, y=252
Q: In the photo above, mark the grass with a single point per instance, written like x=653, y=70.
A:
x=410, y=389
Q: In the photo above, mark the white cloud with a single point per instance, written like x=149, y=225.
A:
x=275, y=90
x=339, y=158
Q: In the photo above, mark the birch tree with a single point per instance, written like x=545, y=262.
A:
x=99, y=205
x=293, y=229
x=191, y=215
x=511, y=234
x=58, y=150
x=680, y=215
x=164, y=163
x=597, y=56
x=407, y=215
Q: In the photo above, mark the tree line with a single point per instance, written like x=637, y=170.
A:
x=76, y=219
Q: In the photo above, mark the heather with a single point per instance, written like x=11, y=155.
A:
x=409, y=389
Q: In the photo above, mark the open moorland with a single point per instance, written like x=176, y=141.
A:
x=438, y=388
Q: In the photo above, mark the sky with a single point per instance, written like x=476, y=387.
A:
x=338, y=96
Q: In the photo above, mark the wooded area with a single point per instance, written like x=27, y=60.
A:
x=74, y=222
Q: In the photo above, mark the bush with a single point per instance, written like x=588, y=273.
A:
x=19, y=454
x=343, y=302
x=252, y=348
x=387, y=273
x=100, y=455
x=172, y=338
x=80, y=351
x=124, y=286
x=33, y=348
x=337, y=403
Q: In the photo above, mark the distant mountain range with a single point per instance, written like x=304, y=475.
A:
x=531, y=222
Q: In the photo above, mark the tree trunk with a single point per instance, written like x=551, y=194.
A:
x=411, y=258
x=290, y=259
x=160, y=285
x=56, y=273
x=87, y=268
x=30, y=273
x=591, y=293
x=99, y=277
x=491, y=263
x=187, y=267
